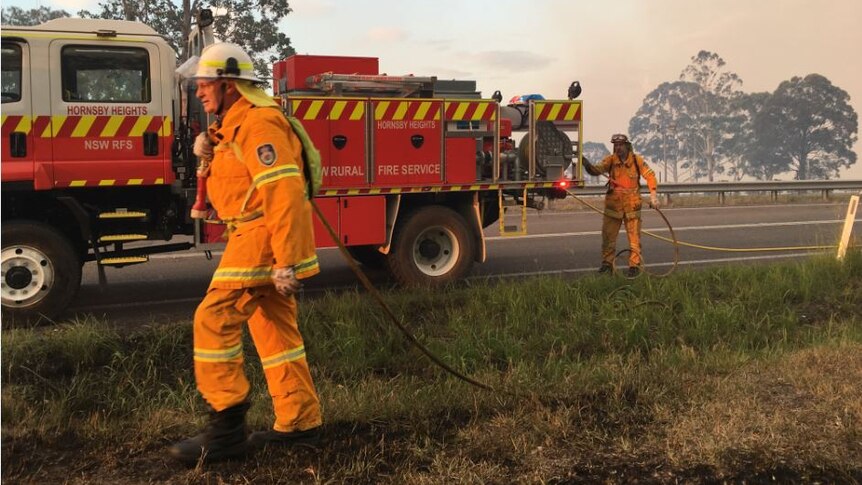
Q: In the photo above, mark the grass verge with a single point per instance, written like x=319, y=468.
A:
x=731, y=374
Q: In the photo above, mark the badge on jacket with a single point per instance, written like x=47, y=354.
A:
x=266, y=154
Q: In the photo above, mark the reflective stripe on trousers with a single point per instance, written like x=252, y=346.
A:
x=272, y=323
x=617, y=204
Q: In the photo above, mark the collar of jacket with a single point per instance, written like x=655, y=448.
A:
x=233, y=119
x=628, y=161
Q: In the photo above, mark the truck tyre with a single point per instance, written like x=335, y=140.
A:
x=368, y=256
x=431, y=247
x=41, y=272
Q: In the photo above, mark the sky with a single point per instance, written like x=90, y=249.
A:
x=619, y=50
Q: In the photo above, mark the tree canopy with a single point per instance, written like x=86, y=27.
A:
x=251, y=25
x=703, y=126
x=34, y=16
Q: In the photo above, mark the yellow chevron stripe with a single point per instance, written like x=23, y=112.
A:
x=135, y=181
x=358, y=111
x=77, y=183
x=314, y=110
x=401, y=110
x=571, y=112
x=3, y=119
x=160, y=181
x=140, y=125
x=337, y=109
x=555, y=110
x=460, y=110
x=112, y=126
x=295, y=106
x=538, y=111
x=106, y=182
x=422, y=111
x=83, y=126
x=54, y=126
x=374, y=191
x=25, y=124
x=380, y=110
x=166, y=127
x=480, y=111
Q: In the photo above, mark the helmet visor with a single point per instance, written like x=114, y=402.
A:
x=188, y=69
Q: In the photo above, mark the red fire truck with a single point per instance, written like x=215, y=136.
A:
x=96, y=160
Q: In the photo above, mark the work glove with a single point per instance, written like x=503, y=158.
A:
x=285, y=281
x=653, y=200
x=203, y=148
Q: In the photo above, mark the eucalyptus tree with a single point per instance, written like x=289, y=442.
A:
x=808, y=126
x=711, y=120
x=659, y=129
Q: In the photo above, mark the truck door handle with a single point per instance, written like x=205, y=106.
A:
x=151, y=143
x=18, y=144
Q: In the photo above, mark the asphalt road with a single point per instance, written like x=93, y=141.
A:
x=169, y=287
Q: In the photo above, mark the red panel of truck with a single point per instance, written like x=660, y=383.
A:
x=296, y=69
x=460, y=160
x=407, y=142
x=363, y=220
x=329, y=208
x=93, y=151
x=337, y=127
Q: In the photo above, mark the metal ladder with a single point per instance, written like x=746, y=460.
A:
x=519, y=227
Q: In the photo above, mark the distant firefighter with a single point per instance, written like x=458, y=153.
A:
x=623, y=201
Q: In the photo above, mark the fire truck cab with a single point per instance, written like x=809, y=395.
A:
x=87, y=163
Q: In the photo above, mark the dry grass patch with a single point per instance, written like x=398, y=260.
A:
x=804, y=408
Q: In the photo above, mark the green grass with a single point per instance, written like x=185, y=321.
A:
x=721, y=374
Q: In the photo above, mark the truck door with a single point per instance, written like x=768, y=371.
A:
x=108, y=123
x=17, y=113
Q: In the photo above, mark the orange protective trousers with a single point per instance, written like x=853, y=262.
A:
x=622, y=205
x=272, y=322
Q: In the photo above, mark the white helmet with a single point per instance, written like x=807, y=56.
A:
x=220, y=61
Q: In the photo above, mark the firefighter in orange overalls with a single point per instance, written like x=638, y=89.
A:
x=257, y=186
x=623, y=201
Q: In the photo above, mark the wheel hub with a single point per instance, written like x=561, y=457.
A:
x=436, y=251
x=429, y=249
x=26, y=275
x=18, y=277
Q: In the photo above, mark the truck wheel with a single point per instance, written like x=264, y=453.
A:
x=368, y=256
x=41, y=272
x=431, y=247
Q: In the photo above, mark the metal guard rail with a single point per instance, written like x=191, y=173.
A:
x=721, y=187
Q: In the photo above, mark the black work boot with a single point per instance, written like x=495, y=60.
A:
x=309, y=437
x=606, y=268
x=633, y=272
x=223, y=438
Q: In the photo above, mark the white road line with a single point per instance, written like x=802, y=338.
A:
x=652, y=265
x=676, y=229
x=198, y=254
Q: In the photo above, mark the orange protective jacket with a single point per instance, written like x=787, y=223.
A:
x=624, y=174
x=257, y=187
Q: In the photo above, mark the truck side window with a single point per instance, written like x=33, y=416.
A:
x=11, y=72
x=99, y=74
